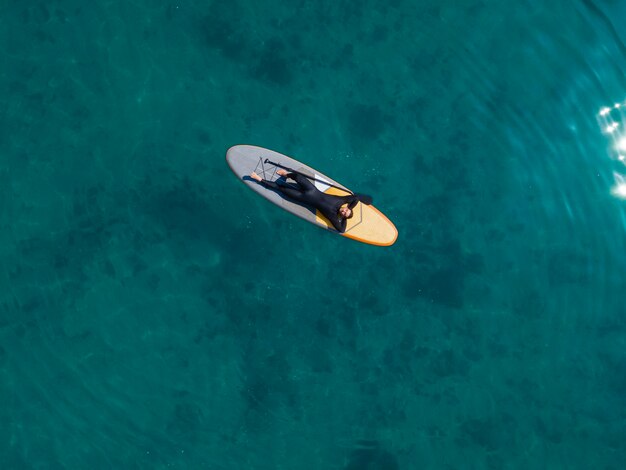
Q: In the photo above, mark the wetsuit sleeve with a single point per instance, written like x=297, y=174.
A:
x=352, y=201
x=338, y=223
x=341, y=223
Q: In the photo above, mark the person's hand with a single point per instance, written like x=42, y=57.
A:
x=282, y=172
x=255, y=177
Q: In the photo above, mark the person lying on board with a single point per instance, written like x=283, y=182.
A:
x=337, y=209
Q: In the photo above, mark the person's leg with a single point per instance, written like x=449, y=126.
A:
x=288, y=191
x=304, y=182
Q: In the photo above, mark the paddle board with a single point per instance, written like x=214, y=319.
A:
x=367, y=225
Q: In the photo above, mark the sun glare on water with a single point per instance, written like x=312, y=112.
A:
x=619, y=190
x=609, y=119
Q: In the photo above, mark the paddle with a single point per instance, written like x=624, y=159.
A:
x=364, y=198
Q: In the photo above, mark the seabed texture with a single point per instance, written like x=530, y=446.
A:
x=156, y=314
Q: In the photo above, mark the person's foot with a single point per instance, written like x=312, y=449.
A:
x=282, y=172
x=255, y=177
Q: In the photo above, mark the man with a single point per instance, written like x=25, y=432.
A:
x=337, y=209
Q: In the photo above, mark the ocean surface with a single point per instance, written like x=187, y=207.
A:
x=155, y=313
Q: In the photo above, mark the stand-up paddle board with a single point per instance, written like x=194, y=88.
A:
x=367, y=225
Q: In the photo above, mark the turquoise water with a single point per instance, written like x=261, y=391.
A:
x=156, y=314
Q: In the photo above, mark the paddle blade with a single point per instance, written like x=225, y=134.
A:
x=365, y=199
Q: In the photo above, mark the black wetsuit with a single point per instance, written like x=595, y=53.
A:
x=307, y=193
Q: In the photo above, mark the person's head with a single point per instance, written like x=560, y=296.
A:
x=345, y=212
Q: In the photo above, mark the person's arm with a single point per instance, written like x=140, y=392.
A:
x=338, y=222
x=352, y=201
